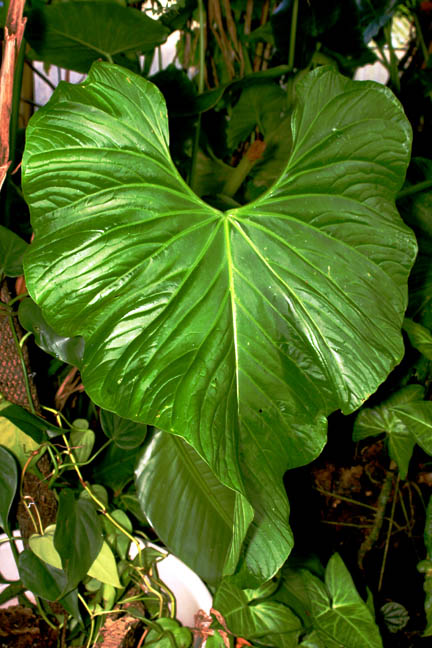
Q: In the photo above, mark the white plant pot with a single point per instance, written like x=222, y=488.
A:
x=190, y=592
x=8, y=567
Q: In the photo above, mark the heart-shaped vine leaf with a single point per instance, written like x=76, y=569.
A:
x=405, y=418
x=238, y=330
x=12, y=248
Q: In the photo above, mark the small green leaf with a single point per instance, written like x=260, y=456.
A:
x=159, y=636
x=78, y=536
x=116, y=468
x=103, y=568
x=395, y=616
x=69, y=350
x=8, y=484
x=405, y=419
x=126, y=434
x=74, y=34
x=82, y=442
x=12, y=249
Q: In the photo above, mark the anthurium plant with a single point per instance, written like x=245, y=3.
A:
x=216, y=266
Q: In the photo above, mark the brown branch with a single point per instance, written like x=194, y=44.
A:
x=13, y=35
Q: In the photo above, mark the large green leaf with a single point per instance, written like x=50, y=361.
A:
x=183, y=501
x=239, y=330
x=74, y=34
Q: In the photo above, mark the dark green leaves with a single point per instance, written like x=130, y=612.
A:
x=8, y=484
x=12, y=249
x=238, y=330
x=78, y=536
x=183, y=501
x=46, y=581
x=405, y=418
x=74, y=34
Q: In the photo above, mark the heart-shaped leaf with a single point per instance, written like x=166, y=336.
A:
x=239, y=330
x=183, y=500
x=405, y=418
x=47, y=581
x=338, y=613
x=104, y=567
x=126, y=434
x=267, y=621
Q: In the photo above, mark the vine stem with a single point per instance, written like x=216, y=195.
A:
x=293, y=33
x=100, y=504
x=409, y=191
x=388, y=534
x=383, y=499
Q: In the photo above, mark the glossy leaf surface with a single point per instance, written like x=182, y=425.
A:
x=74, y=34
x=183, y=501
x=239, y=330
x=8, y=484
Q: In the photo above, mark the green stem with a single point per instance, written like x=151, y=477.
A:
x=12, y=543
x=388, y=534
x=383, y=499
x=394, y=70
x=238, y=175
x=293, y=33
x=419, y=32
x=409, y=191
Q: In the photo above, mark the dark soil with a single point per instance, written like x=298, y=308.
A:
x=329, y=502
x=21, y=628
